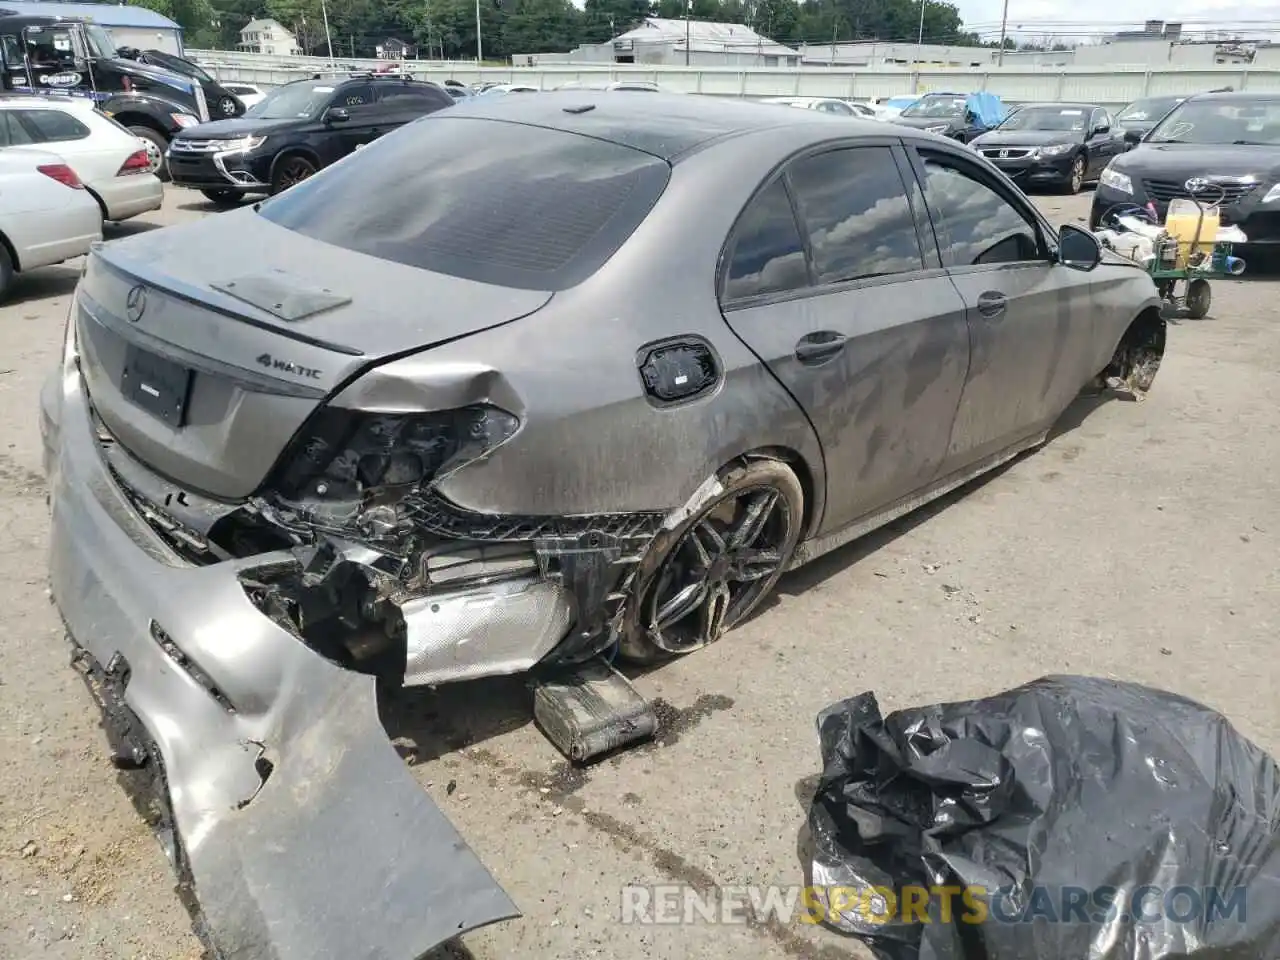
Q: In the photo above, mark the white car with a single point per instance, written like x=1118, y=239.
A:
x=842, y=108
x=46, y=215
x=246, y=93
x=113, y=163
x=501, y=89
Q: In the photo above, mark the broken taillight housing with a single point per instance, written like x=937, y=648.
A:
x=349, y=455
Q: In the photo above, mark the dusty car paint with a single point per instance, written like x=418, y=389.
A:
x=241, y=621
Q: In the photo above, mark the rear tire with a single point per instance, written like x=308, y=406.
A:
x=156, y=143
x=7, y=272
x=699, y=580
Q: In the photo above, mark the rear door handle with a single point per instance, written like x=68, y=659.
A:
x=816, y=348
x=992, y=304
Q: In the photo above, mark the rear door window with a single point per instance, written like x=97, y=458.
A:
x=356, y=99
x=767, y=254
x=12, y=133
x=853, y=203
x=412, y=98
x=52, y=126
x=444, y=195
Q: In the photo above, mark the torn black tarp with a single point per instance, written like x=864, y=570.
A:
x=1067, y=819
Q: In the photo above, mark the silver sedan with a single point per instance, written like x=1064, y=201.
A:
x=527, y=381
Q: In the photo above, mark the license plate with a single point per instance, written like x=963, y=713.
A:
x=159, y=386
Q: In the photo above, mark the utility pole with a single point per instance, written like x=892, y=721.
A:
x=479, y=45
x=920, y=36
x=328, y=40
x=1004, y=22
x=688, y=12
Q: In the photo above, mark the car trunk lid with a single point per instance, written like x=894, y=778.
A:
x=205, y=347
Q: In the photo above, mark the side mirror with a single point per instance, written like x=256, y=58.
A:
x=1078, y=249
x=1101, y=129
x=1133, y=136
x=336, y=115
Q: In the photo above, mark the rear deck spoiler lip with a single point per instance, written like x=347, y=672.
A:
x=210, y=300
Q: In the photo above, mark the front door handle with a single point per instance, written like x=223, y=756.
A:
x=816, y=348
x=992, y=303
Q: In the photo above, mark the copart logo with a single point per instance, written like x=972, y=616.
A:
x=60, y=79
x=287, y=366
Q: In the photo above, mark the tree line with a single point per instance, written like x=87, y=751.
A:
x=446, y=29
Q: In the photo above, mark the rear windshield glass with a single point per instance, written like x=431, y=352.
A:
x=485, y=200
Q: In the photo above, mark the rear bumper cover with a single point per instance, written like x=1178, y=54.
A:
x=130, y=195
x=300, y=830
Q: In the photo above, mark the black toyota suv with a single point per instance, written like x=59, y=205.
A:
x=298, y=129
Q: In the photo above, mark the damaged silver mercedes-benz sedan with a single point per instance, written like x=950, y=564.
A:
x=528, y=381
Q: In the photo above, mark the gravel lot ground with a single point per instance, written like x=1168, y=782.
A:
x=1139, y=544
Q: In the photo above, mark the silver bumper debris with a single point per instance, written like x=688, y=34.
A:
x=300, y=831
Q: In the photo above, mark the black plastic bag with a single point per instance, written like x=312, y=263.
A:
x=1072, y=818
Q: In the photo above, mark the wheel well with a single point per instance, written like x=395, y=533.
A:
x=294, y=152
x=140, y=120
x=1139, y=352
x=9, y=249
x=1148, y=329
x=101, y=206
x=801, y=469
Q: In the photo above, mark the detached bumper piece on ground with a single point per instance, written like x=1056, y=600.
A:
x=1050, y=797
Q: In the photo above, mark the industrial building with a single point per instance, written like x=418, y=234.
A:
x=698, y=43
x=128, y=26
x=876, y=53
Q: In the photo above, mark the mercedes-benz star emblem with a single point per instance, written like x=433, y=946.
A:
x=1196, y=184
x=135, y=304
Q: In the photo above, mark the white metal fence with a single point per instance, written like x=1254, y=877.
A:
x=1113, y=86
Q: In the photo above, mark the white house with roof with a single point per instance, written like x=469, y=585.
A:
x=700, y=43
x=268, y=36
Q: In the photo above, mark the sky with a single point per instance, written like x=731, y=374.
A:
x=1084, y=16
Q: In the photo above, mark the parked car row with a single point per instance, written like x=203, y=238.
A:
x=1220, y=148
x=67, y=168
x=154, y=94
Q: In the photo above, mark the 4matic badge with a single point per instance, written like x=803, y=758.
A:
x=287, y=366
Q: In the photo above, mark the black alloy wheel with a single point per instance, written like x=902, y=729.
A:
x=289, y=172
x=708, y=574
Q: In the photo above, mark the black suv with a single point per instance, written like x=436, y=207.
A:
x=298, y=129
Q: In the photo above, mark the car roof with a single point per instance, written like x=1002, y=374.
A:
x=1236, y=96
x=1064, y=106
x=33, y=101
x=666, y=125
